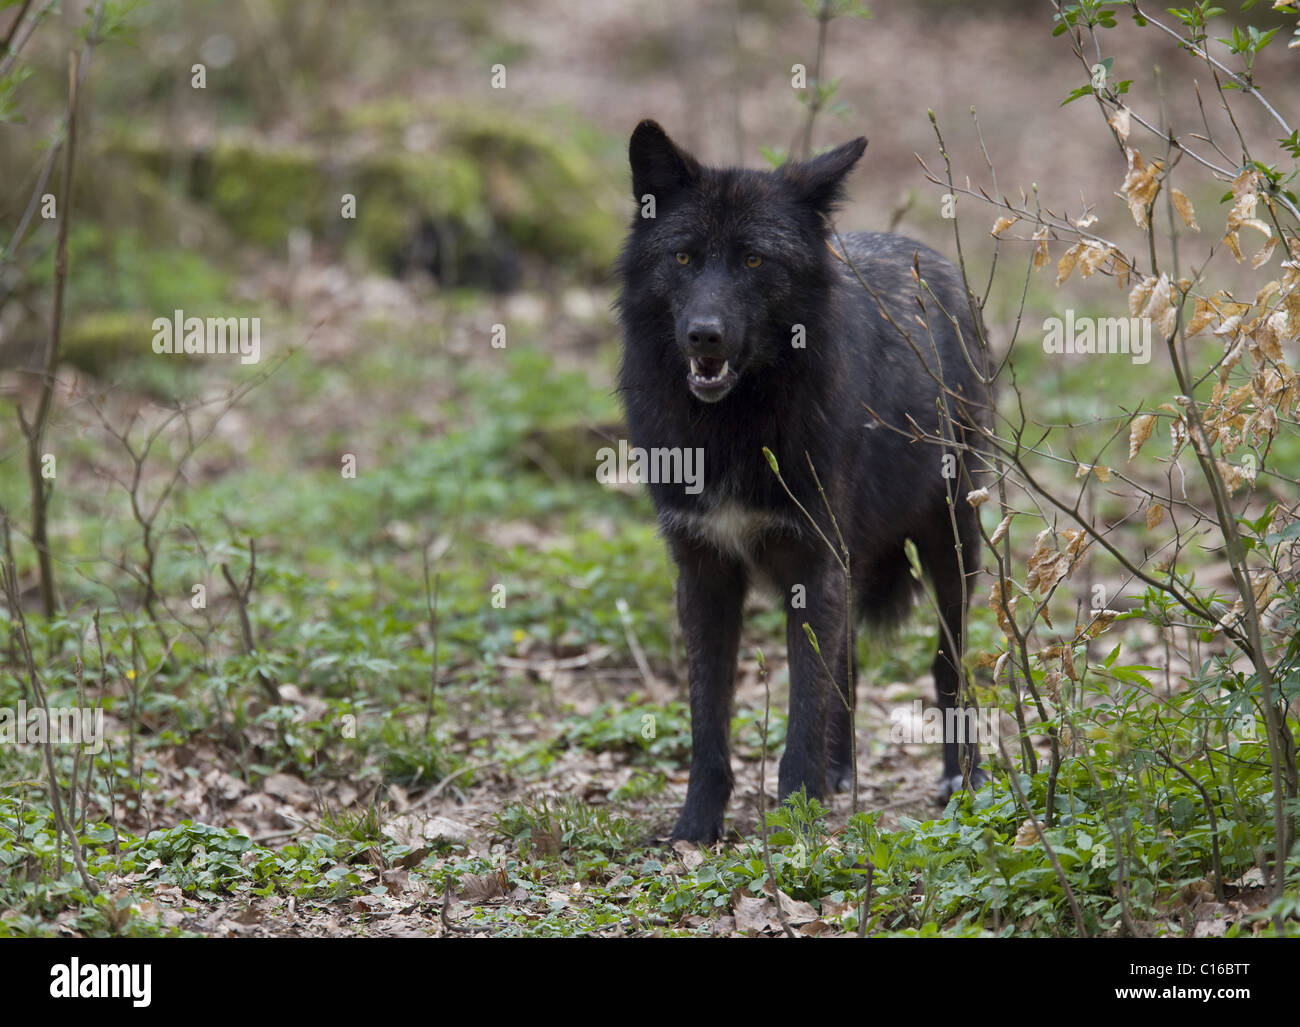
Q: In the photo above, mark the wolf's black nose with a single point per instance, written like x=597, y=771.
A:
x=704, y=335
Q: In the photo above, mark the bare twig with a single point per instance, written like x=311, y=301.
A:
x=762, y=798
x=242, y=594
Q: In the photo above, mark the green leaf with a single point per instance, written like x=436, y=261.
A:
x=1291, y=531
x=1077, y=94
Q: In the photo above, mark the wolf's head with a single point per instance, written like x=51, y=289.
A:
x=725, y=256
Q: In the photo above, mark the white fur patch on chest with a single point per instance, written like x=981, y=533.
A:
x=731, y=528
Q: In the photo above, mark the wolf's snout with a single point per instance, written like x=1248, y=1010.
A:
x=704, y=336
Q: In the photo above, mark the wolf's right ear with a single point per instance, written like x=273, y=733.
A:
x=820, y=182
x=658, y=166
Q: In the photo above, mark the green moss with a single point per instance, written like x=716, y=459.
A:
x=263, y=193
x=396, y=190
x=553, y=195
x=95, y=342
x=492, y=181
x=552, y=185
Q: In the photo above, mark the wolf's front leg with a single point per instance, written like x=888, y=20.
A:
x=710, y=594
x=811, y=688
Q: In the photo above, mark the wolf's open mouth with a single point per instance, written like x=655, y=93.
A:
x=711, y=378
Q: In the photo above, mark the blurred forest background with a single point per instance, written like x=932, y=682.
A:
x=364, y=628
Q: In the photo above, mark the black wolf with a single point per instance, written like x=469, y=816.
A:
x=748, y=324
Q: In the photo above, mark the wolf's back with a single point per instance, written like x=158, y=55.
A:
x=883, y=277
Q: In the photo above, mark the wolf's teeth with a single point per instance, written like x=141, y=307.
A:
x=698, y=372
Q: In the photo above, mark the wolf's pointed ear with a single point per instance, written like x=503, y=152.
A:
x=658, y=166
x=820, y=182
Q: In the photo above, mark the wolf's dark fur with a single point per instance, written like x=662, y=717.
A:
x=714, y=287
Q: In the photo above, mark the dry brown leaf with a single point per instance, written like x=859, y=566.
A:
x=1267, y=342
x=1002, y=609
x=1001, y=225
x=1000, y=532
x=1203, y=313
x=1040, y=251
x=796, y=911
x=1120, y=122
x=1048, y=565
x=1159, y=299
x=1137, y=299
x=1265, y=293
x=1099, y=471
x=1140, y=431
x=750, y=913
x=1093, y=256
x=1140, y=185
x=1233, y=476
x=1052, y=685
x=413, y=829
x=481, y=887
x=1245, y=201
x=1101, y=620
x=1185, y=210
x=690, y=854
x=1233, y=243
x=1168, y=322
x=1066, y=264
x=1261, y=258
x=1155, y=514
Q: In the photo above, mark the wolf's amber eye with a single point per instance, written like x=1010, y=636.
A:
x=683, y=258
x=753, y=260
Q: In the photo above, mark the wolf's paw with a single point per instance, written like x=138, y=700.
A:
x=949, y=786
x=839, y=778
x=695, y=828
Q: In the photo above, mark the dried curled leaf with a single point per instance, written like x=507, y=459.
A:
x=1233, y=476
x=1000, y=532
x=1052, y=686
x=1203, y=313
x=1001, y=225
x=1265, y=252
x=1040, y=251
x=1158, y=298
x=1099, y=471
x=1093, y=256
x=1155, y=514
x=1003, y=609
x=1245, y=192
x=1101, y=620
x=1138, y=434
x=1066, y=264
x=1140, y=185
x=1266, y=342
x=1185, y=210
x=977, y=497
x=1049, y=564
x=1120, y=122
x=1137, y=299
